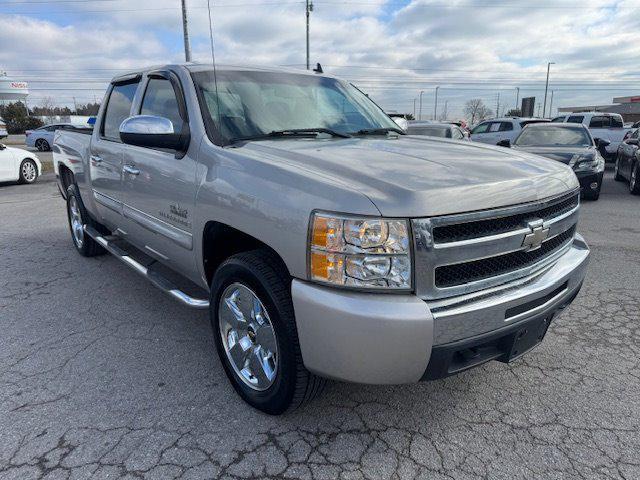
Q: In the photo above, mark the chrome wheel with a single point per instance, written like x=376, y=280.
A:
x=75, y=219
x=248, y=337
x=29, y=172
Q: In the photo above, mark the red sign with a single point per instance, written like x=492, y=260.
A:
x=18, y=85
x=634, y=99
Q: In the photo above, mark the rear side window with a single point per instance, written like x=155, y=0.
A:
x=600, y=122
x=495, y=127
x=457, y=134
x=616, y=122
x=575, y=119
x=160, y=100
x=558, y=119
x=118, y=109
x=506, y=126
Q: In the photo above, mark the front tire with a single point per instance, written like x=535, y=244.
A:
x=616, y=170
x=634, y=179
x=28, y=171
x=78, y=218
x=255, y=333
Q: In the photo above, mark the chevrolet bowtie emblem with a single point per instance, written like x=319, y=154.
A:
x=538, y=234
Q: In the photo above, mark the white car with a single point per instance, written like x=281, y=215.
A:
x=497, y=130
x=603, y=126
x=19, y=165
x=3, y=129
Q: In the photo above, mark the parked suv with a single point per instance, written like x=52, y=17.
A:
x=324, y=242
x=499, y=129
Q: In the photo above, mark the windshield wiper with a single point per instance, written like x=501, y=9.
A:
x=379, y=131
x=293, y=132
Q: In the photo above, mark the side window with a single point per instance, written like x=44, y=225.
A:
x=506, y=126
x=457, y=134
x=118, y=109
x=616, y=122
x=482, y=128
x=599, y=122
x=575, y=119
x=495, y=127
x=160, y=100
x=51, y=128
x=558, y=119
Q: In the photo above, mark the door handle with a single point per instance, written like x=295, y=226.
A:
x=96, y=158
x=131, y=170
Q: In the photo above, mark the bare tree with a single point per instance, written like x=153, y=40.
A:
x=476, y=111
x=48, y=104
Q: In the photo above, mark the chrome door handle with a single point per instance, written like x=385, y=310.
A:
x=131, y=170
x=96, y=158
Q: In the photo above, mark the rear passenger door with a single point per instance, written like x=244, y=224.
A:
x=105, y=162
x=159, y=184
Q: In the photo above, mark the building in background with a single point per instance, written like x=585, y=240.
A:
x=12, y=90
x=628, y=107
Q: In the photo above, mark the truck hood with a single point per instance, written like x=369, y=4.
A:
x=418, y=176
x=561, y=154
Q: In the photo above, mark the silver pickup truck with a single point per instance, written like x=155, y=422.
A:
x=324, y=241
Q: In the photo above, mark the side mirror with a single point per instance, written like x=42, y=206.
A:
x=632, y=141
x=152, y=132
x=2, y=146
x=504, y=143
x=601, y=142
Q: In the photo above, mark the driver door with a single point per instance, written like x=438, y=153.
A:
x=8, y=167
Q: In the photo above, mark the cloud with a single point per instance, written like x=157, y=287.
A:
x=470, y=48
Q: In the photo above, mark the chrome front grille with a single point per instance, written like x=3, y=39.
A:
x=459, y=254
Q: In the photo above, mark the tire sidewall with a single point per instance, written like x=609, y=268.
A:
x=634, y=187
x=72, y=193
x=277, y=397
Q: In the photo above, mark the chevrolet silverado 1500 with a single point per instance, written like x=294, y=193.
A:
x=326, y=242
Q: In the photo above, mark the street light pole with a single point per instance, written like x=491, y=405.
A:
x=546, y=88
x=185, y=30
x=308, y=9
x=551, y=105
x=420, y=112
x=435, y=108
x=414, y=108
x=518, y=98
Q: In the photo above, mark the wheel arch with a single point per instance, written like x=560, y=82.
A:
x=220, y=241
x=65, y=179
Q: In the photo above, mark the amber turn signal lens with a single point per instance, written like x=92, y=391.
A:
x=319, y=237
x=327, y=266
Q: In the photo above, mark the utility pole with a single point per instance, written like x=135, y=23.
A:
x=435, y=108
x=551, y=105
x=544, y=108
x=538, y=109
x=518, y=98
x=75, y=105
x=309, y=9
x=498, y=105
x=414, y=108
x=445, y=112
x=185, y=29
x=420, y=114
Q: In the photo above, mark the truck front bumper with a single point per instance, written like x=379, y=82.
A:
x=390, y=339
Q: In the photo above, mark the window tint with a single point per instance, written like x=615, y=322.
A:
x=599, y=122
x=616, y=122
x=482, y=128
x=118, y=109
x=160, y=100
x=575, y=119
x=506, y=126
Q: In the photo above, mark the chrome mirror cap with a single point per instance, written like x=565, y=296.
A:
x=147, y=125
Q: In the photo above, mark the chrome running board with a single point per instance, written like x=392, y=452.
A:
x=159, y=281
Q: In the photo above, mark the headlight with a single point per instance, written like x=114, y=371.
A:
x=369, y=253
x=587, y=162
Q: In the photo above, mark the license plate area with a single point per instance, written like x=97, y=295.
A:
x=526, y=338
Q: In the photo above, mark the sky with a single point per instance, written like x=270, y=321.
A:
x=392, y=49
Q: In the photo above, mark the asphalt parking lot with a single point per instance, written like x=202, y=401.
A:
x=103, y=376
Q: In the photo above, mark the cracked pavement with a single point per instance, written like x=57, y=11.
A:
x=102, y=376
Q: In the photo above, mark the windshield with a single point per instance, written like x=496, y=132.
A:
x=257, y=103
x=554, y=136
x=430, y=131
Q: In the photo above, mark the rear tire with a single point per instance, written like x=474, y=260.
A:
x=78, y=218
x=42, y=145
x=256, y=285
x=634, y=179
x=28, y=171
